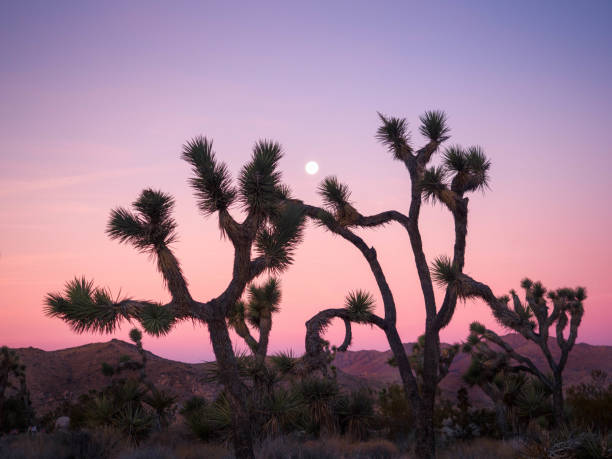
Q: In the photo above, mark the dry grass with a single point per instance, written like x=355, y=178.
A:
x=482, y=448
x=327, y=448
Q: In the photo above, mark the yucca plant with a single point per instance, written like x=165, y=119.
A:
x=264, y=241
x=355, y=413
x=462, y=171
x=319, y=395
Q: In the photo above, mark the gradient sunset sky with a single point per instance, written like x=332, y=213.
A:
x=96, y=99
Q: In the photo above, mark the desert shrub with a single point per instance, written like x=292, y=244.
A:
x=355, y=414
x=590, y=404
x=459, y=421
x=16, y=414
x=566, y=443
x=281, y=412
x=86, y=444
x=207, y=421
x=318, y=395
x=396, y=414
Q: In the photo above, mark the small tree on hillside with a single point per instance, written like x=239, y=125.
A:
x=532, y=320
x=271, y=227
x=15, y=408
x=462, y=171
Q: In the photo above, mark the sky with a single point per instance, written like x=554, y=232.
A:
x=97, y=98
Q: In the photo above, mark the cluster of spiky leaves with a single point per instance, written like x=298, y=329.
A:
x=462, y=171
x=334, y=193
x=434, y=126
x=360, y=305
x=150, y=226
x=260, y=186
x=395, y=135
x=278, y=240
x=336, y=197
x=87, y=308
x=443, y=271
x=284, y=362
x=262, y=300
x=212, y=181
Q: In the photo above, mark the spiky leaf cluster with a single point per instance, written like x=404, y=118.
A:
x=86, y=307
x=394, y=134
x=278, y=240
x=359, y=304
x=150, y=226
x=284, y=362
x=443, y=271
x=156, y=320
x=461, y=171
x=262, y=300
x=469, y=168
x=211, y=181
x=433, y=183
x=434, y=125
x=335, y=194
x=260, y=187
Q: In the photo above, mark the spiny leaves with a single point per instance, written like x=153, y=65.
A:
x=284, y=362
x=433, y=183
x=86, y=307
x=443, y=271
x=393, y=133
x=470, y=168
x=263, y=299
x=260, y=181
x=359, y=304
x=277, y=242
x=150, y=226
x=212, y=181
x=434, y=125
x=156, y=320
x=335, y=194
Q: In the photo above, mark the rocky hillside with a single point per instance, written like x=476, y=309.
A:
x=55, y=376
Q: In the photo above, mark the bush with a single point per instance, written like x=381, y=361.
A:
x=396, y=414
x=590, y=404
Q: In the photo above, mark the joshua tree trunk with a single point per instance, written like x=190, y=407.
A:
x=236, y=391
x=558, y=405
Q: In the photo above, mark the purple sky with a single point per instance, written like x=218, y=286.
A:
x=96, y=99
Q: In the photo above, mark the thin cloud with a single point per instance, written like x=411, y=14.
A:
x=9, y=187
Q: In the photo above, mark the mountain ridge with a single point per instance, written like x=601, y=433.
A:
x=54, y=377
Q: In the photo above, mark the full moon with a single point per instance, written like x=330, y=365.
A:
x=312, y=167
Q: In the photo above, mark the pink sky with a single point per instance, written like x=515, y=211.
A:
x=95, y=103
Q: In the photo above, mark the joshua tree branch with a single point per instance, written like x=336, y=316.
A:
x=317, y=324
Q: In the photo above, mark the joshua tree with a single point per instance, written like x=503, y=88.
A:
x=271, y=228
x=462, y=171
x=499, y=380
x=532, y=319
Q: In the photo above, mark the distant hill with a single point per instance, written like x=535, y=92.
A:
x=583, y=358
x=55, y=376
